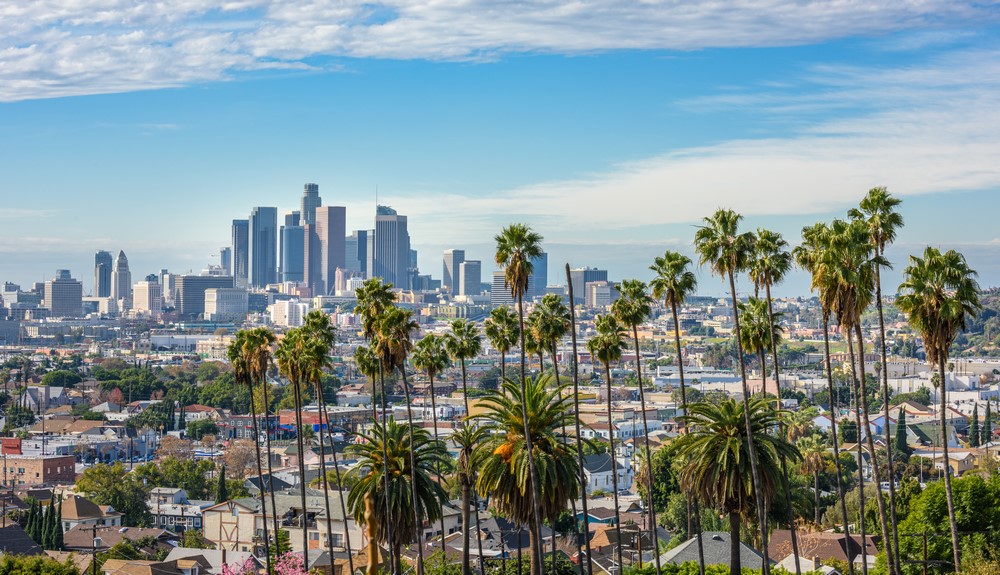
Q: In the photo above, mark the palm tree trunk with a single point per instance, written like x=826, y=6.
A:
x=649, y=457
x=816, y=496
x=418, y=522
x=885, y=412
x=947, y=466
x=761, y=510
x=833, y=427
x=680, y=372
x=614, y=468
x=579, y=444
x=536, y=494
x=475, y=497
x=466, y=563
x=340, y=485
x=861, y=471
x=385, y=464
x=777, y=392
x=270, y=473
x=870, y=440
x=300, y=444
x=734, y=543
x=260, y=483
x=437, y=465
x=582, y=478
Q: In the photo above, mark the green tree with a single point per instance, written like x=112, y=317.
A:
x=502, y=331
x=974, y=427
x=813, y=450
x=939, y=292
x=716, y=456
x=221, y=488
x=901, y=445
x=987, y=432
x=35, y=565
x=470, y=459
x=198, y=429
x=113, y=485
x=61, y=378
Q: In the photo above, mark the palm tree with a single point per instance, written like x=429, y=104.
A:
x=631, y=309
x=758, y=334
x=470, y=459
x=939, y=292
x=607, y=347
x=517, y=246
x=502, y=331
x=716, y=452
x=808, y=256
x=259, y=342
x=322, y=335
x=368, y=365
x=878, y=212
x=430, y=357
x=673, y=283
x=239, y=357
x=393, y=345
x=293, y=353
x=463, y=343
x=505, y=468
x=412, y=460
x=851, y=261
x=720, y=245
x=813, y=453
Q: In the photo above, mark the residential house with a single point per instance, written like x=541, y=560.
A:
x=82, y=537
x=77, y=510
x=598, y=470
x=824, y=546
x=14, y=541
x=213, y=560
x=171, y=509
x=716, y=545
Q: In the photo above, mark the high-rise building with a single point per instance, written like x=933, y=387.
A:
x=356, y=251
x=499, y=292
x=288, y=313
x=226, y=304
x=226, y=260
x=63, y=295
x=324, y=248
x=310, y=201
x=470, y=277
x=262, y=255
x=292, y=249
x=392, y=247
x=103, y=263
x=121, y=283
x=581, y=277
x=147, y=297
x=539, y=275
x=449, y=272
x=190, y=300
x=599, y=294
x=241, y=251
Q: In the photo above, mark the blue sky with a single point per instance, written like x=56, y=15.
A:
x=611, y=127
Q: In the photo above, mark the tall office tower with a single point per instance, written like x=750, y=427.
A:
x=356, y=251
x=226, y=304
x=310, y=201
x=499, y=292
x=581, y=277
x=470, y=277
x=190, y=299
x=121, y=283
x=262, y=255
x=226, y=260
x=291, y=248
x=369, y=253
x=168, y=283
x=324, y=249
x=241, y=251
x=449, y=274
x=539, y=276
x=392, y=247
x=103, y=263
x=63, y=295
x=147, y=297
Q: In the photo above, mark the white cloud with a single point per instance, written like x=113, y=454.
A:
x=55, y=48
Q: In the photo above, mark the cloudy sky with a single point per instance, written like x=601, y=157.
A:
x=611, y=127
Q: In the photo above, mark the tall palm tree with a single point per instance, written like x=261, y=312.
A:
x=727, y=252
x=323, y=336
x=607, y=347
x=808, y=257
x=878, y=211
x=393, y=346
x=412, y=461
x=367, y=363
x=464, y=343
x=430, y=357
x=631, y=309
x=504, y=472
x=673, y=283
x=851, y=260
x=470, y=459
x=502, y=331
x=758, y=334
x=938, y=294
x=716, y=452
x=813, y=453
x=517, y=246
x=293, y=353
x=259, y=342
x=239, y=356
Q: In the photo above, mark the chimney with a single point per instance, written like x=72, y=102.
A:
x=817, y=563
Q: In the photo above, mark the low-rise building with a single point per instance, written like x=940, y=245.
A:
x=77, y=510
x=38, y=470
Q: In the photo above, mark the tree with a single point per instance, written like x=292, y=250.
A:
x=716, y=456
x=727, y=252
x=240, y=458
x=61, y=378
x=293, y=362
x=470, y=459
x=394, y=507
x=517, y=246
x=939, y=292
x=198, y=429
x=974, y=427
x=901, y=445
x=113, y=485
x=813, y=450
x=221, y=490
x=35, y=565
x=986, y=437
x=502, y=332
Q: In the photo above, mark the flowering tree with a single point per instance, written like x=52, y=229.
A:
x=290, y=564
x=245, y=568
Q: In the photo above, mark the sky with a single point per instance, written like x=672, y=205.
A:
x=611, y=128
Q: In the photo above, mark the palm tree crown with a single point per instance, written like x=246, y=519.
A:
x=771, y=259
x=429, y=355
x=674, y=280
x=720, y=245
x=517, y=246
x=755, y=327
x=877, y=211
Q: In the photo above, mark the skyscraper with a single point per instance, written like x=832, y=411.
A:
x=148, y=297
x=102, y=274
x=324, y=249
x=392, y=247
x=121, y=283
x=449, y=273
x=226, y=260
x=583, y=276
x=539, y=279
x=470, y=277
x=241, y=251
x=63, y=295
x=310, y=201
x=292, y=249
x=262, y=255
x=356, y=251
